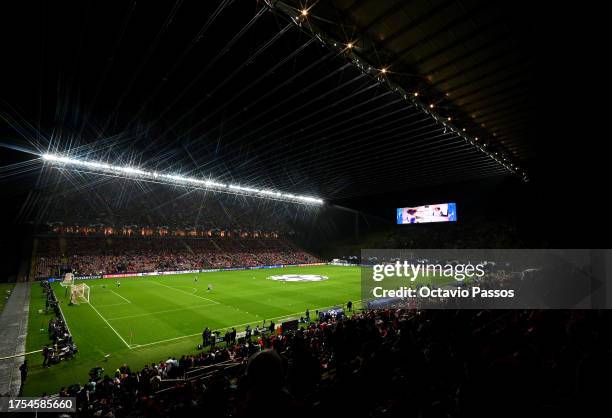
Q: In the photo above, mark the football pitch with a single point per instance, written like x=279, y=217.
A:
x=146, y=319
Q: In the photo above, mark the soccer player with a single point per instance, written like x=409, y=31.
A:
x=349, y=306
x=118, y=283
x=195, y=279
x=209, y=288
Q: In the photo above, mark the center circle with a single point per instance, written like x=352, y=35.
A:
x=298, y=278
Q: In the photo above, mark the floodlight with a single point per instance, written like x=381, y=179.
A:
x=138, y=173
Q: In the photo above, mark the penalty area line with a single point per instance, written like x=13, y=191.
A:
x=121, y=296
x=160, y=312
x=112, y=304
x=187, y=293
x=111, y=327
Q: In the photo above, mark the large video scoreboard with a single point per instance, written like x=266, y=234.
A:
x=441, y=212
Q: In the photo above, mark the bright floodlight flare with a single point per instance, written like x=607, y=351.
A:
x=304, y=12
x=140, y=174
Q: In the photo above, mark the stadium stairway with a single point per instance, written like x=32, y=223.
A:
x=13, y=331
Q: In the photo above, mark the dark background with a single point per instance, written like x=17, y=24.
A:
x=67, y=68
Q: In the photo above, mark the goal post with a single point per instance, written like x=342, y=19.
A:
x=68, y=280
x=79, y=293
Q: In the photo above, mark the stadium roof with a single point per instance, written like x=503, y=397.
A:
x=327, y=99
x=472, y=58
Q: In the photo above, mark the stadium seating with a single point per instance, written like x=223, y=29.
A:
x=96, y=255
x=377, y=363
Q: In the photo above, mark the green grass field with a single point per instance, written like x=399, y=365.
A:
x=147, y=319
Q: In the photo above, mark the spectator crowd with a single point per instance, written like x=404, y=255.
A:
x=61, y=347
x=378, y=363
x=95, y=255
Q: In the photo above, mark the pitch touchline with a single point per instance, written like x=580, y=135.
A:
x=159, y=312
x=230, y=326
x=111, y=327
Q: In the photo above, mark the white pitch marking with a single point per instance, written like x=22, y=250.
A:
x=159, y=312
x=111, y=327
x=188, y=287
x=165, y=341
x=234, y=326
x=187, y=293
x=121, y=296
x=22, y=354
x=112, y=304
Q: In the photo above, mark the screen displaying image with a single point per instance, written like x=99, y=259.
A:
x=442, y=212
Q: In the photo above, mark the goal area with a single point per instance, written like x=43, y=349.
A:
x=79, y=293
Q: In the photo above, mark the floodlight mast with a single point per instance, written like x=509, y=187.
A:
x=138, y=173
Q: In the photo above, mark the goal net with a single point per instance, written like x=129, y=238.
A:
x=79, y=293
x=68, y=280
